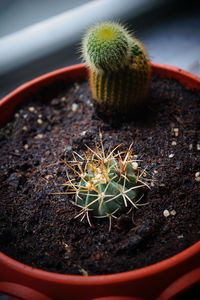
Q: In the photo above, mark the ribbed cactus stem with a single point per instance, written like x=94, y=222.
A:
x=109, y=185
x=119, y=67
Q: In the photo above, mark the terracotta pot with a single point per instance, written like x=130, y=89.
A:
x=28, y=283
x=186, y=286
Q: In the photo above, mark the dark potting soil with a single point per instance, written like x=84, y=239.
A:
x=39, y=229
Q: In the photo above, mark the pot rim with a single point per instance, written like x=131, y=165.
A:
x=171, y=262
x=147, y=271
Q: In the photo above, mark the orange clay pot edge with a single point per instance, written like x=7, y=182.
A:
x=98, y=279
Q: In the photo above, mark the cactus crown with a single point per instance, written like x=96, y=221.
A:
x=106, y=46
x=109, y=184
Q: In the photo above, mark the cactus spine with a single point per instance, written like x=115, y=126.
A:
x=109, y=184
x=119, y=67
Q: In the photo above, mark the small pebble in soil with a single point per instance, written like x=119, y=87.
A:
x=190, y=146
x=174, y=143
x=31, y=109
x=26, y=146
x=74, y=107
x=83, y=133
x=197, y=176
x=38, y=136
x=166, y=213
x=25, y=116
x=180, y=236
x=173, y=212
x=176, y=131
x=171, y=155
x=39, y=121
x=83, y=272
x=68, y=250
x=198, y=147
x=48, y=176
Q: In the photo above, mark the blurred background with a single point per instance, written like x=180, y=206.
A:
x=42, y=35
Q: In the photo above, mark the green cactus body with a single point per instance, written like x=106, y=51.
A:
x=110, y=193
x=109, y=184
x=119, y=67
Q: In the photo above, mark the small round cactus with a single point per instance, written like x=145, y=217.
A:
x=109, y=184
x=119, y=67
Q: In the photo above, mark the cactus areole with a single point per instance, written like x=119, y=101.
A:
x=119, y=67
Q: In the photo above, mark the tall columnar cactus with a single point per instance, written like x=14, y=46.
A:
x=109, y=184
x=119, y=67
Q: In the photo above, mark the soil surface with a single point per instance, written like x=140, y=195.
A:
x=39, y=229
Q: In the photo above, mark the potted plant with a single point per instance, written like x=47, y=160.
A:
x=32, y=132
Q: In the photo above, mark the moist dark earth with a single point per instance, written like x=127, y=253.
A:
x=39, y=228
